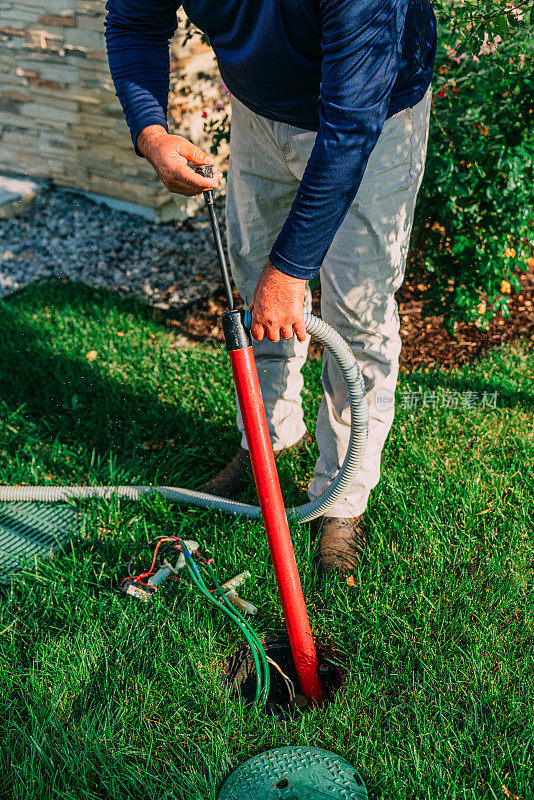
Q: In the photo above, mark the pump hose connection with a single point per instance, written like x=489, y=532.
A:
x=359, y=420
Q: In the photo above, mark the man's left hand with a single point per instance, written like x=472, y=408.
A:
x=278, y=306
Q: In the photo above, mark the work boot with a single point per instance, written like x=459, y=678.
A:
x=234, y=476
x=342, y=544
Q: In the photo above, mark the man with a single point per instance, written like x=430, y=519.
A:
x=330, y=110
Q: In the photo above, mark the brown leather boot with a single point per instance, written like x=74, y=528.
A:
x=234, y=476
x=342, y=544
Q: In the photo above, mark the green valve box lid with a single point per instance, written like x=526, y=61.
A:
x=294, y=773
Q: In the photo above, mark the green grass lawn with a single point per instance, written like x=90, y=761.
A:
x=103, y=697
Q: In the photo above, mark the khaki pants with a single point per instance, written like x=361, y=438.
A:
x=360, y=274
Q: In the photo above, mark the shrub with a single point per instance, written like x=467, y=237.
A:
x=475, y=210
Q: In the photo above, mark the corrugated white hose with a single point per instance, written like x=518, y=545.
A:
x=359, y=420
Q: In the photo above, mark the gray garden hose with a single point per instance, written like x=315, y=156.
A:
x=359, y=418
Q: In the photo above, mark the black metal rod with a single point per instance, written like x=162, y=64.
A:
x=208, y=197
x=220, y=255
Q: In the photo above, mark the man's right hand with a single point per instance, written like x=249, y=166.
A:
x=169, y=155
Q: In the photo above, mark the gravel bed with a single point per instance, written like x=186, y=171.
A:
x=173, y=266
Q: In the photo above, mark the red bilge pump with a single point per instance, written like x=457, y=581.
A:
x=272, y=505
x=273, y=512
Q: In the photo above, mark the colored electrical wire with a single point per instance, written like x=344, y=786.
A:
x=249, y=633
x=244, y=630
x=259, y=646
x=218, y=598
x=288, y=682
x=175, y=540
x=151, y=570
x=256, y=647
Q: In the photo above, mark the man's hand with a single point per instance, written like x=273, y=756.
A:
x=278, y=306
x=169, y=155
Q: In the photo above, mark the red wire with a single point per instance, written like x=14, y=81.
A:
x=204, y=560
x=137, y=578
x=151, y=570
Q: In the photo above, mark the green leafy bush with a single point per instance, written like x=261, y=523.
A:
x=476, y=207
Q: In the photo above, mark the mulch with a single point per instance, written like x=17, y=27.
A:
x=425, y=341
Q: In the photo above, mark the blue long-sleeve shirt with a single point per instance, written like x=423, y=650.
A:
x=340, y=67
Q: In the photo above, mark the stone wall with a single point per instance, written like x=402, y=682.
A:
x=59, y=117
